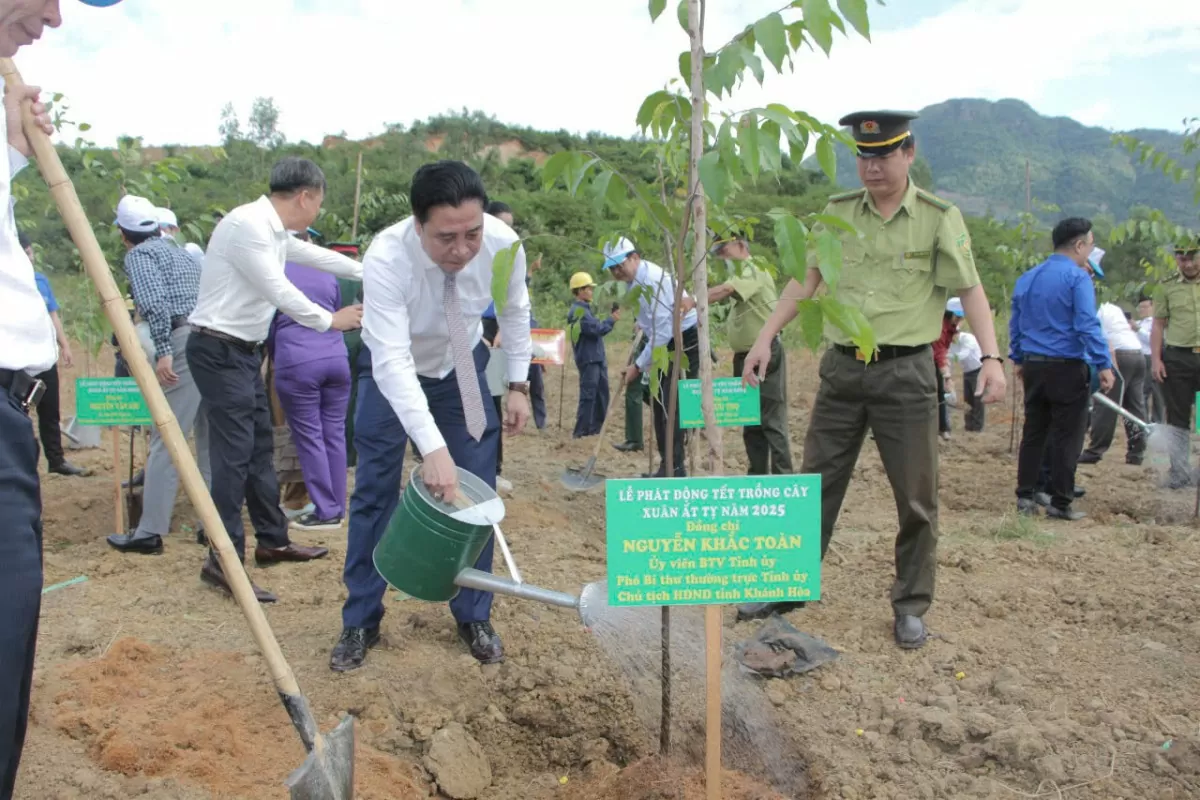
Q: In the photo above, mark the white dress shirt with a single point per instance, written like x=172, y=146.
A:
x=243, y=283
x=404, y=319
x=1116, y=328
x=965, y=350
x=1145, y=328
x=27, y=340
x=656, y=309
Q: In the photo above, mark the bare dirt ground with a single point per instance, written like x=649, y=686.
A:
x=1066, y=661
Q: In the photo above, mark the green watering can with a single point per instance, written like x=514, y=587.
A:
x=430, y=547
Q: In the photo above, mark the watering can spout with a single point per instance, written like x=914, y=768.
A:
x=486, y=582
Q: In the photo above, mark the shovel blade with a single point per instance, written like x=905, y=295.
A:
x=330, y=774
x=581, y=480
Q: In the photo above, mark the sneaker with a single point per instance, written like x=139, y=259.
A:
x=296, y=513
x=310, y=522
x=503, y=484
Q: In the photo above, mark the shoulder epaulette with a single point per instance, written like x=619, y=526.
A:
x=854, y=195
x=933, y=200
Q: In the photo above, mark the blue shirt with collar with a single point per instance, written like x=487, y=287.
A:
x=1054, y=315
x=47, y=292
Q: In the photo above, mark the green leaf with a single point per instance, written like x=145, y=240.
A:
x=502, y=267
x=812, y=322
x=754, y=63
x=84, y=127
x=599, y=190
x=660, y=362
x=578, y=172
x=855, y=12
x=685, y=66
x=657, y=7
x=827, y=158
x=554, y=167
x=772, y=38
x=829, y=257
x=830, y=221
x=818, y=18
x=650, y=106
x=748, y=144
x=795, y=32
x=850, y=321
x=681, y=15
x=714, y=177
x=792, y=241
x=768, y=143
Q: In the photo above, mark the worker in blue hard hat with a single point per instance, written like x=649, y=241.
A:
x=27, y=348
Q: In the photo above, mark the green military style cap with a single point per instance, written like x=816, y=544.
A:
x=1187, y=247
x=878, y=133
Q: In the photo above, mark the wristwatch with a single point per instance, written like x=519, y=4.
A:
x=522, y=387
x=997, y=359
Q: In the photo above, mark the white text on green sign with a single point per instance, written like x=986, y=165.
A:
x=110, y=401
x=734, y=404
x=709, y=541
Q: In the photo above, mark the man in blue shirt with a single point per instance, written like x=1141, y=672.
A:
x=1054, y=336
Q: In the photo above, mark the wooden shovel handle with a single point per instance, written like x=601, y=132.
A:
x=97, y=268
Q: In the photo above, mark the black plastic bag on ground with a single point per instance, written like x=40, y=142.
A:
x=779, y=650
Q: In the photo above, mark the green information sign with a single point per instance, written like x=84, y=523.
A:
x=710, y=541
x=110, y=401
x=734, y=404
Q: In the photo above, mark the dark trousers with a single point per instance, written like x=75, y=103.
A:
x=593, y=399
x=537, y=394
x=691, y=349
x=20, y=581
x=1152, y=393
x=897, y=400
x=48, y=418
x=241, y=439
x=381, y=442
x=1056, y=403
x=768, y=448
x=1179, y=390
x=976, y=411
x=943, y=408
x=1129, y=392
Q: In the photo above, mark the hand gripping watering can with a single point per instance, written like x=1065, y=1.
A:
x=429, y=549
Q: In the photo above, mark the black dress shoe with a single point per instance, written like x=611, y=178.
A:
x=1029, y=507
x=139, y=479
x=1069, y=514
x=1134, y=460
x=201, y=537
x=482, y=641
x=628, y=447
x=1089, y=458
x=212, y=574
x=67, y=468
x=909, y=631
x=748, y=611
x=142, y=545
x=351, y=650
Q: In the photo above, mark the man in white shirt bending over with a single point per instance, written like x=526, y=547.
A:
x=241, y=287
x=964, y=348
x=426, y=282
x=1129, y=390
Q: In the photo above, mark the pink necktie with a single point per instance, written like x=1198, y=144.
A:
x=464, y=362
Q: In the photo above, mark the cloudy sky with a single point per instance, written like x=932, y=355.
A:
x=163, y=69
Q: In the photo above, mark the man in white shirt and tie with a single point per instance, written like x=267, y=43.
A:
x=242, y=285
x=422, y=375
x=656, y=309
x=27, y=349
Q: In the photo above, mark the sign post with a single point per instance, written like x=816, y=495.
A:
x=115, y=403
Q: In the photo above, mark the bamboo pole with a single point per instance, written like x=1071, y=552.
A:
x=357, y=196
x=113, y=305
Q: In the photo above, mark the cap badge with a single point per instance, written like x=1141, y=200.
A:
x=869, y=126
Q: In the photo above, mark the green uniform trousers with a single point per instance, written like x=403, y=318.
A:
x=768, y=448
x=897, y=400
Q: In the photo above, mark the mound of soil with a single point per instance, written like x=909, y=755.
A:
x=656, y=779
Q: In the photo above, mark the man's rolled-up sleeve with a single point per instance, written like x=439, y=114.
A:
x=386, y=332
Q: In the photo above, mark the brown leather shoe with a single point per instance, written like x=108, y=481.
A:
x=212, y=574
x=265, y=556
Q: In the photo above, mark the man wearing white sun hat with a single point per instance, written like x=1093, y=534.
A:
x=27, y=348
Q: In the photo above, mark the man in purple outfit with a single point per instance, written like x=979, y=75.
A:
x=312, y=380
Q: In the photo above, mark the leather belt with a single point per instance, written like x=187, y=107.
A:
x=884, y=352
x=1052, y=359
x=1179, y=349
x=249, y=347
x=26, y=390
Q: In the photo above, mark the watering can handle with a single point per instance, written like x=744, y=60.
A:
x=460, y=502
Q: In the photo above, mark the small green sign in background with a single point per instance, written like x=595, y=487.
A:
x=110, y=401
x=711, y=541
x=734, y=404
